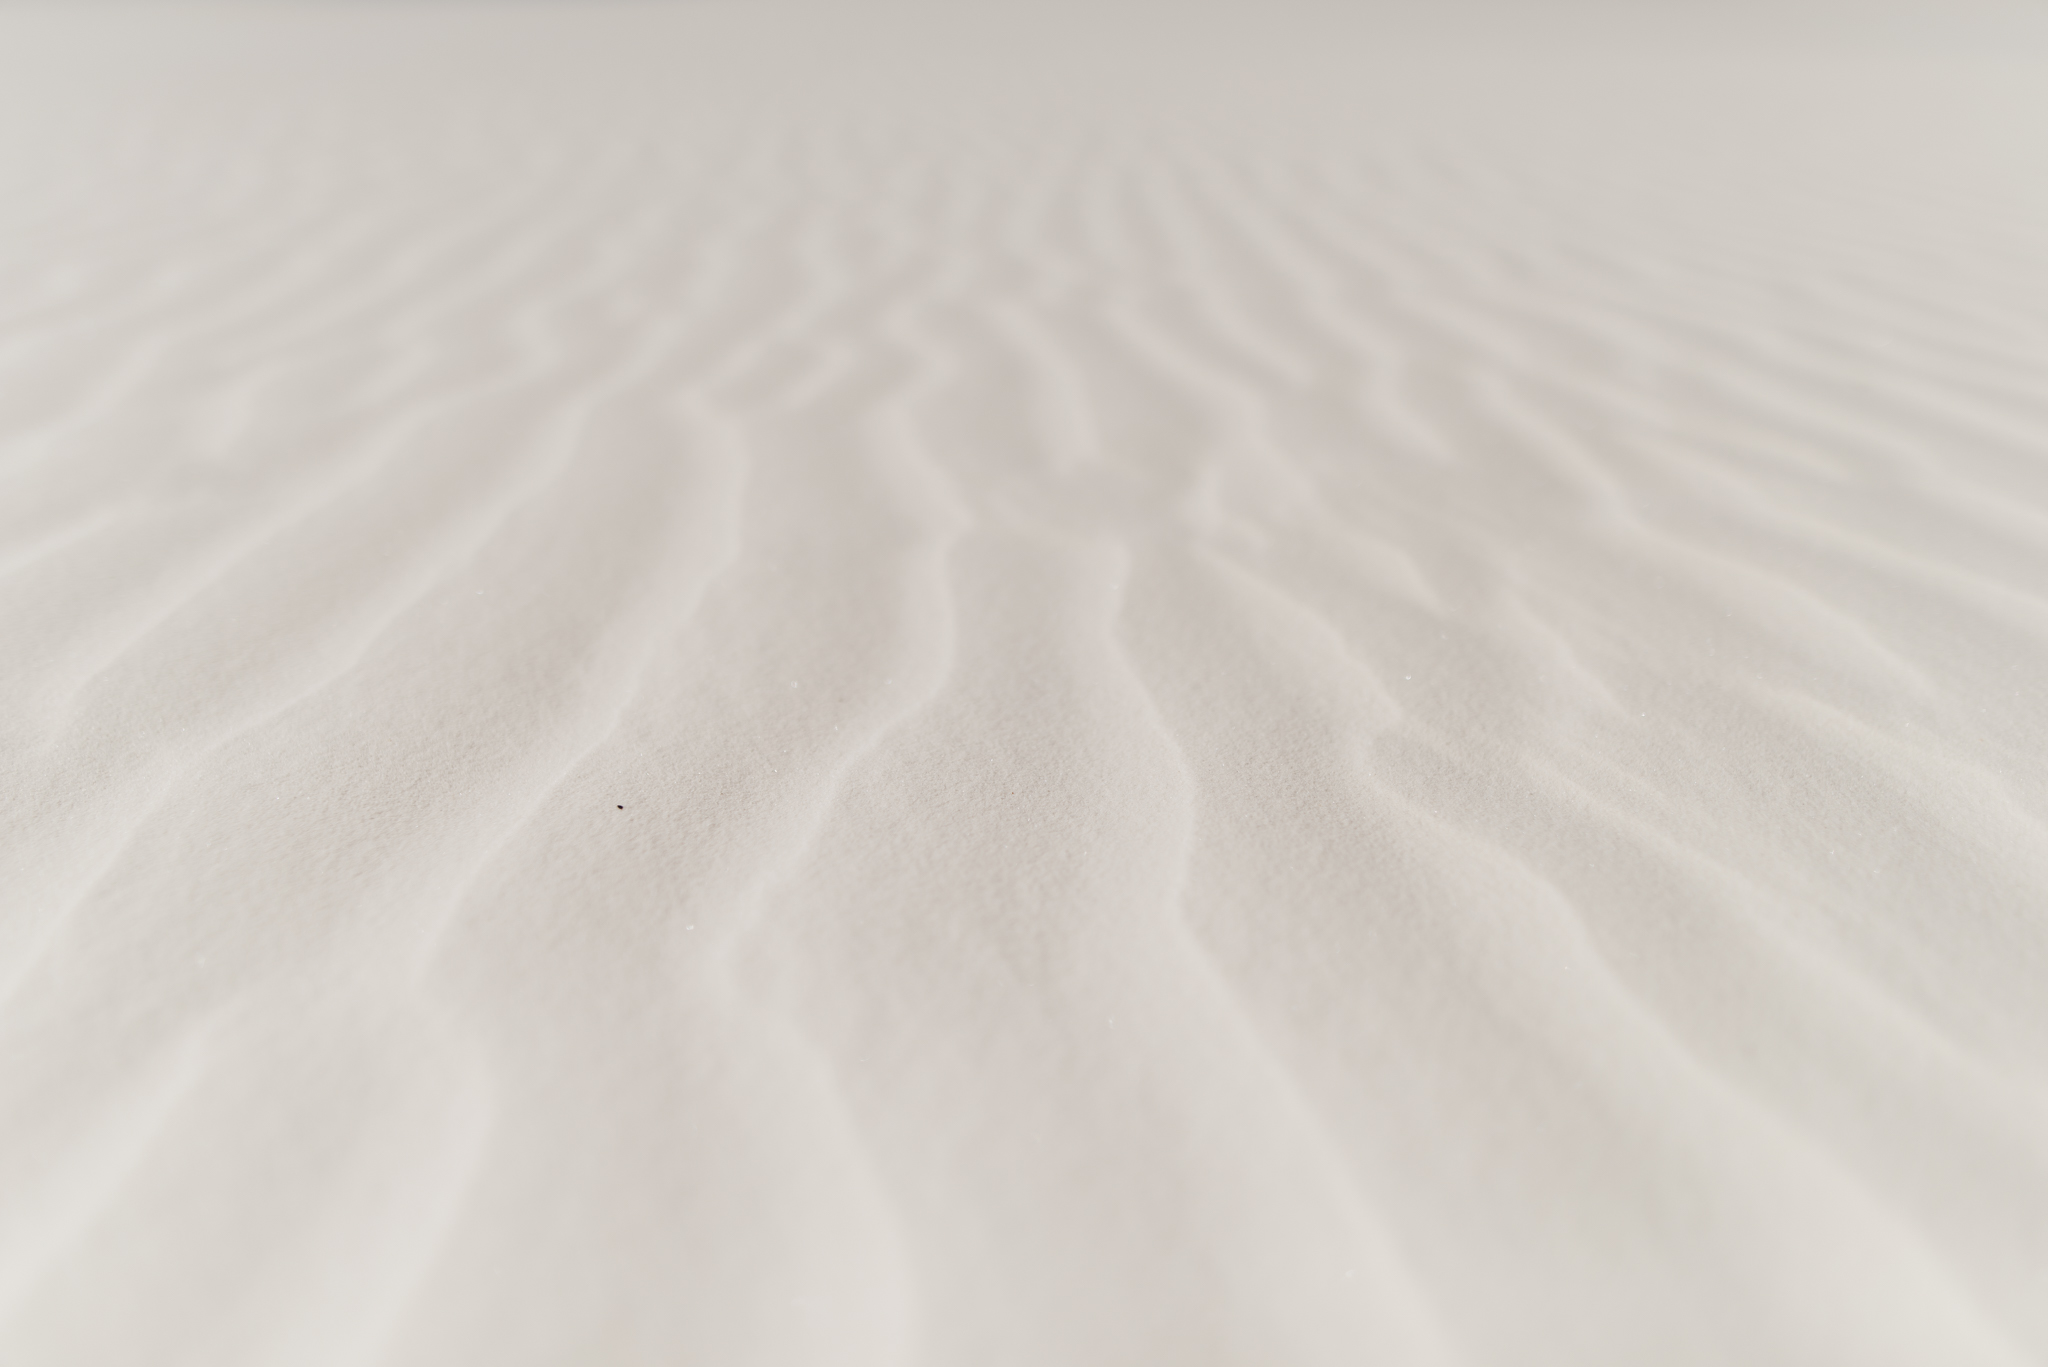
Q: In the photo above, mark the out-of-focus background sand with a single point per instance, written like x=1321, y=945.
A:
x=979, y=687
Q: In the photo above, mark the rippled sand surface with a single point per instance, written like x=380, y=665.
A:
x=770, y=686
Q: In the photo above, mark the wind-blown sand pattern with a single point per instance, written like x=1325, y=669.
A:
x=722, y=687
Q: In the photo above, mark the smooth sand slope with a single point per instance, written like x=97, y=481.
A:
x=763, y=687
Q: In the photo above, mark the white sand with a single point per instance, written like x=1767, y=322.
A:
x=773, y=686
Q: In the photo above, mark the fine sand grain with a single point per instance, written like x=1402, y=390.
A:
x=752, y=687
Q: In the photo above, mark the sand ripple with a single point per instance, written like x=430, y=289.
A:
x=687, y=687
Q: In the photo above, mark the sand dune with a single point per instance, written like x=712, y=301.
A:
x=694, y=685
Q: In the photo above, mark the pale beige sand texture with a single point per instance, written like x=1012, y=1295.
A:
x=981, y=688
